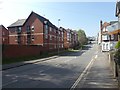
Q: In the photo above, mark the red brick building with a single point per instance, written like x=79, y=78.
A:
x=27, y=31
x=4, y=35
x=75, y=38
x=70, y=38
x=37, y=30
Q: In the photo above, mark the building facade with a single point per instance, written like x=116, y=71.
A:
x=4, y=35
x=37, y=30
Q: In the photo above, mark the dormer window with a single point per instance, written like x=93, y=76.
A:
x=19, y=29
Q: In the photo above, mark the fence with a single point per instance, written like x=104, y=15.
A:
x=115, y=66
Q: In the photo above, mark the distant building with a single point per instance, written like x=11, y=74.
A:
x=110, y=35
x=105, y=37
x=114, y=28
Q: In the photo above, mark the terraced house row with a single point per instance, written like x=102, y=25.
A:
x=109, y=33
x=37, y=30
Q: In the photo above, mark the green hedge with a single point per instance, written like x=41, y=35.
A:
x=117, y=45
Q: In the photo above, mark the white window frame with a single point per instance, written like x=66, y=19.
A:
x=50, y=37
x=19, y=29
x=32, y=28
x=3, y=39
x=50, y=29
x=32, y=37
x=46, y=36
x=62, y=45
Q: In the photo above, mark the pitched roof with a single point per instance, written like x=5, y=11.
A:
x=105, y=24
x=19, y=22
x=117, y=8
x=112, y=22
x=1, y=27
x=41, y=18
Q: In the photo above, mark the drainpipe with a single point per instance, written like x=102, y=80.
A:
x=118, y=27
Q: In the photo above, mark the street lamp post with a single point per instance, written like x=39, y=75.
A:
x=58, y=35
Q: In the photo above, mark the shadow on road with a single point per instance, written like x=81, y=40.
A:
x=72, y=53
x=86, y=47
x=76, y=52
x=42, y=76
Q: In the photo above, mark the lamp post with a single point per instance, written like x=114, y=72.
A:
x=58, y=36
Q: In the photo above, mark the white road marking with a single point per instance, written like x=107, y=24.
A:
x=83, y=73
x=96, y=56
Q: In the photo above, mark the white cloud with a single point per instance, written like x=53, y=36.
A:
x=11, y=11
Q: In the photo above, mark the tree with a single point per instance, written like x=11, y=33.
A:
x=82, y=37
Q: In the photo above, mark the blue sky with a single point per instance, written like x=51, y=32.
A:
x=73, y=15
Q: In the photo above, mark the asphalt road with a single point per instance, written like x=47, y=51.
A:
x=70, y=70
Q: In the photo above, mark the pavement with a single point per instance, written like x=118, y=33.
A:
x=99, y=75
x=18, y=64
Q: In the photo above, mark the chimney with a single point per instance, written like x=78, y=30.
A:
x=101, y=27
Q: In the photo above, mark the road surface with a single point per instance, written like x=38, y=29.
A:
x=88, y=68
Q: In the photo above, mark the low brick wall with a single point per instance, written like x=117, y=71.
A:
x=17, y=51
x=13, y=51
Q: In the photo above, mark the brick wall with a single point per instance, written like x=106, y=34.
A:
x=13, y=51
